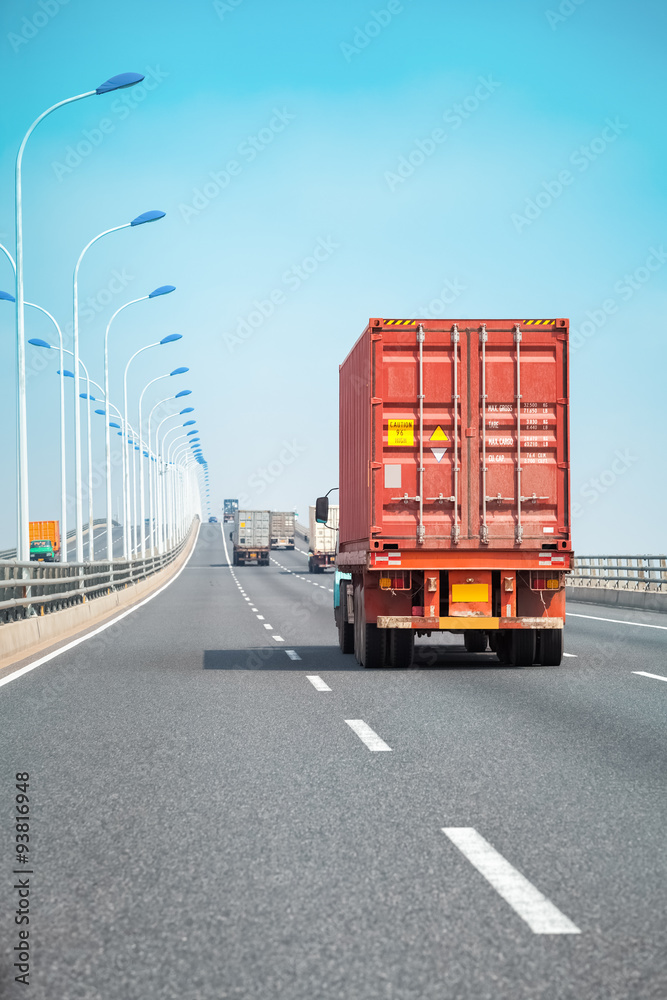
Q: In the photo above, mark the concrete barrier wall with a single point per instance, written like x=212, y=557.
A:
x=640, y=600
x=19, y=640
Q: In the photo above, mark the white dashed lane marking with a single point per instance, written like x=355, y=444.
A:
x=293, y=655
x=538, y=912
x=367, y=735
x=317, y=682
x=655, y=677
x=278, y=638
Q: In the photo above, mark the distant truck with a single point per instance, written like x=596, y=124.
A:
x=45, y=541
x=250, y=536
x=322, y=541
x=282, y=529
x=229, y=510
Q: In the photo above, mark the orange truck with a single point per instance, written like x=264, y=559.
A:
x=45, y=541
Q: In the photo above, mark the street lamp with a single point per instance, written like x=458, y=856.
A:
x=140, y=220
x=162, y=290
x=151, y=488
x=176, y=371
x=165, y=340
x=119, y=82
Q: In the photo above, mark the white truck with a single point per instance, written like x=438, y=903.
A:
x=323, y=539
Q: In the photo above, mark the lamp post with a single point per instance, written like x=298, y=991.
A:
x=119, y=82
x=164, y=533
x=162, y=290
x=165, y=340
x=140, y=220
x=160, y=475
x=153, y=514
x=176, y=371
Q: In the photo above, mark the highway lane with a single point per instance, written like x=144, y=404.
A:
x=209, y=824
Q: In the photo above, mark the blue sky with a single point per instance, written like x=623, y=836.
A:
x=267, y=132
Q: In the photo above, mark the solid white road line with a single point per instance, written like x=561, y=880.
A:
x=367, y=735
x=617, y=621
x=538, y=912
x=643, y=673
x=317, y=682
x=102, y=628
x=293, y=655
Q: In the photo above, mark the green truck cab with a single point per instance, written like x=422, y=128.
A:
x=41, y=550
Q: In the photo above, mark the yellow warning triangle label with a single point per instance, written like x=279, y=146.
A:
x=438, y=435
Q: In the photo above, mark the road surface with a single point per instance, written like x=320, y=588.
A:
x=223, y=805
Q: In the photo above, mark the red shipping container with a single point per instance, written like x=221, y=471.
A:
x=482, y=464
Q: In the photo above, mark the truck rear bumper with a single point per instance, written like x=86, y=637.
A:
x=465, y=624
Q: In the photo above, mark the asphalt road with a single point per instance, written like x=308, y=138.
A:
x=207, y=824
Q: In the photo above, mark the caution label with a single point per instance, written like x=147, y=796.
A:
x=401, y=433
x=438, y=435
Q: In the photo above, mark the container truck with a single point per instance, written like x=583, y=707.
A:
x=250, y=536
x=44, y=541
x=229, y=509
x=322, y=540
x=454, y=488
x=282, y=529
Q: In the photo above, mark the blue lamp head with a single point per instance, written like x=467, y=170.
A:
x=183, y=392
x=188, y=409
x=180, y=371
x=188, y=423
x=84, y=395
x=7, y=297
x=162, y=290
x=147, y=216
x=114, y=425
x=102, y=413
x=171, y=338
x=67, y=373
x=119, y=82
x=37, y=342
x=192, y=432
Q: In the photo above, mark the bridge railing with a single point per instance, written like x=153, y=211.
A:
x=642, y=573
x=38, y=588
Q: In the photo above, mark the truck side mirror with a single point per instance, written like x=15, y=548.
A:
x=322, y=510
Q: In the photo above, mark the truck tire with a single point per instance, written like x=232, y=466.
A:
x=522, y=647
x=551, y=646
x=369, y=640
x=345, y=634
x=475, y=641
x=310, y=565
x=400, y=646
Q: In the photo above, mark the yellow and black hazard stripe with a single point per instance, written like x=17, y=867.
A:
x=399, y=322
x=539, y=322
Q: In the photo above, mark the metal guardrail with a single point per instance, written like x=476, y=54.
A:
x=35, y=588
x=643, y=573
